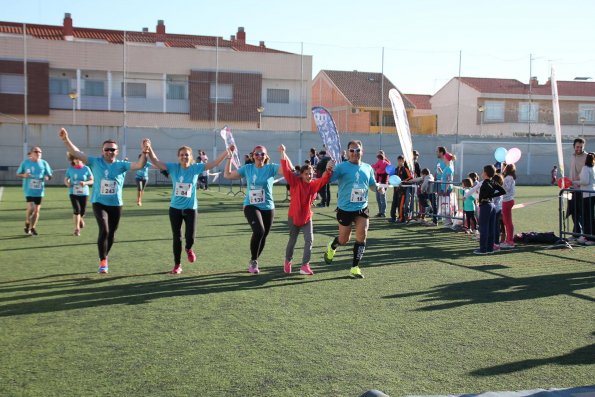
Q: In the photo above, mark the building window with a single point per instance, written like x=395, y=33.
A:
x=222, y=93
x=275, y=95
x=388, y=120
x=528, y=112
x=59, y=86
x=176, y=91
x=586, y=111
x=94, y=88
x=12, y=84
x=494, y=111
x=135, y=90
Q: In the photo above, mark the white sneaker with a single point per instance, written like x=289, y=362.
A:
x=589, y=242
x=506, y=246
x=581, y=240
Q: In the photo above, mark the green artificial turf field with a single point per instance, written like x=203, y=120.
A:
x=429, y=318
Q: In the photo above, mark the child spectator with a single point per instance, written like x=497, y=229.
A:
x=487, y=214
x=427, y=197
x=507, y=204
x=382, y=178
x=498, y=226
x=469, y=207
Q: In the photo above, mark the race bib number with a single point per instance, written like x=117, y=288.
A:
x=358, y=195
x=256, y=196
x=108, y=188
x=35, y=184
x=183, y=189
x=78, y=190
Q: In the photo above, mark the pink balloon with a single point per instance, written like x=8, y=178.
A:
x=513, y=155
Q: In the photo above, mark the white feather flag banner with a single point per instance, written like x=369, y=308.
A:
x=402, y=124
x=557, y=127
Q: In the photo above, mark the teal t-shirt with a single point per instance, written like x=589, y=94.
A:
x=260, y=185
x=109, y=180
x=143, y=173
x=469, y=202
x=184, y=180
x=34, y=186
x=354, y=181
x=76, y=175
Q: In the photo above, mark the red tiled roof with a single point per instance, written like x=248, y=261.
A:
x=51, y=32
x=512, y=86
x=420, y=101
x=363, y=88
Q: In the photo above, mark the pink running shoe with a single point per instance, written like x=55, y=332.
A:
x=191, y=255
x=103, y=267
x=253, y=267
x=176, y=270
x=305, y=270
x=287, y=267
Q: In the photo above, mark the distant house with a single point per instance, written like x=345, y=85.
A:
x=508, y=107
x=100, y=77
x=423, y=120
x=355, y=99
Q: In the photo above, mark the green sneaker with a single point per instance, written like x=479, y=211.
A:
x=356, y=272
x=329, y=254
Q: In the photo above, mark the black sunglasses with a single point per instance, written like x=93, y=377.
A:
x=259, y=154
x=110, y=149
x=37, y=151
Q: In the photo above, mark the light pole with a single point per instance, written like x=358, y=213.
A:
x=73, y=95
x=582, y=120
x=481, y=109
x=260, y=109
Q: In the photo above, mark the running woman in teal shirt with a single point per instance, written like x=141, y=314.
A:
x=354, y=178
x=259, y=207
x=109, y=174
x=34, y=172
x=182, y=209
x=78, y=178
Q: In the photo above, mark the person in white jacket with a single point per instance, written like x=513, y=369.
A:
x=587, y=182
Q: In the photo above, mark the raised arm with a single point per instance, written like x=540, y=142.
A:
x=142, y=161
x=225, y=154
x=156, y=162
x=71, y=147
x=227, y=172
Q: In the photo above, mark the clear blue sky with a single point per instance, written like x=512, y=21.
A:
x=421, y=38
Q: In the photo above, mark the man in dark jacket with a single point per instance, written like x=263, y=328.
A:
x=325, y=191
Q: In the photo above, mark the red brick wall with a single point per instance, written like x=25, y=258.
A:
x=38, y=100
x=247, y=89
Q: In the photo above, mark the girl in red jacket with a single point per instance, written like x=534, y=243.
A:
x=303, y=193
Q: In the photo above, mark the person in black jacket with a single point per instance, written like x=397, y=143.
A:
x=325, y=191
x=487, y=212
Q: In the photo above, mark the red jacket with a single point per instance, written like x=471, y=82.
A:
x=303, y=194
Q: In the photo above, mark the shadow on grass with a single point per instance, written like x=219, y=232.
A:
x=581, y=356
x=504, y=289
x=99, y=290
x=77, y=244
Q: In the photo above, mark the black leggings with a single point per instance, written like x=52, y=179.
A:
x=108, y=219
x=176, y=217
x=79, y=204
x=260, y=221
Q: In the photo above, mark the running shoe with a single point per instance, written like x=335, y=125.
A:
x=329, y=254
x=305, y=270
x=253, y=267
x=33, y=231
x=496, y=247
x=191, y=255
x=356, y=272
x=77, y=232
x=479, y=252
x=176, y=270
x=27, y=230
x=103, y=268
x=82, y=223
x=287, y=267
x=506, y=245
